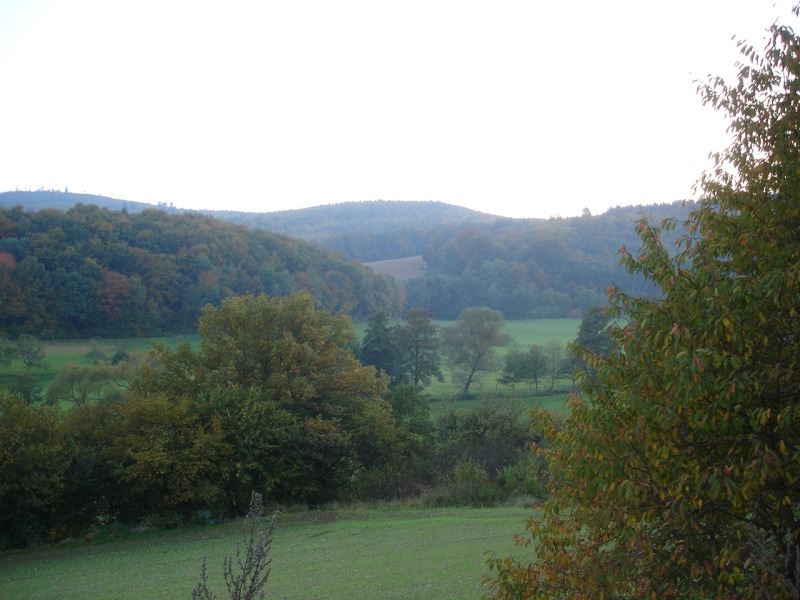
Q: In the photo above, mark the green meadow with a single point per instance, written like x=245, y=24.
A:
x=373, y=552
x=59, y=353
x=524, y=333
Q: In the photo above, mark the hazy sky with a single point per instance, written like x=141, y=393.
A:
x=519, y=108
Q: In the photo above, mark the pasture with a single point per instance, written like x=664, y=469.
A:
x=378, y=552
x=59, y=353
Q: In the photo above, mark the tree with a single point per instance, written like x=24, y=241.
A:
x=8, y=351
x=593, y=334
x=379, y=347
x=471, y=342
x=31, y=351
x=299, y=416
x=247, y=580
x=557, y=361
x=83, y=383
x=524, y=365
x=491, y=435
x=514, y=368
x=677, y=473
x=35, y=453
x=418, y=341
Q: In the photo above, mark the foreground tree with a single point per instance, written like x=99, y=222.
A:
x=470, y=343
x=35, y=453
x=678, y=474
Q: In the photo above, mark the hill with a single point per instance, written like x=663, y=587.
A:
x=91, y=271
x=367, y=231
x=534, y=268
x=42, y=199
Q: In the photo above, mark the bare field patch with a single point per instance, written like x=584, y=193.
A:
x=400, y=268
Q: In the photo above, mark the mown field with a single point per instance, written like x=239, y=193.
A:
x=387, y=553
x=400, y=268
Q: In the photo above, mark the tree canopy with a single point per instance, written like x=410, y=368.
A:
x=276, y=383
x=678, y=473
x=91, y=271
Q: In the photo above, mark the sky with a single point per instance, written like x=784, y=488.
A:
x=515, y=108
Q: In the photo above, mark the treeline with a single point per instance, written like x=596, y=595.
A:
x=273, y=400
x=534, y=269
x=90, y=271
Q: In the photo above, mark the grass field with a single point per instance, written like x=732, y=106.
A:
x=555, y=403
x=386, y=553
x=524, y=333
x=400, y=268
x=59, y=353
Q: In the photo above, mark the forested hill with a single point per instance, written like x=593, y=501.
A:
x=367, y=231
x=535, y=268
x=91, y=271
x=523, y=267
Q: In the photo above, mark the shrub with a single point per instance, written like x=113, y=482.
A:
x=252, y=571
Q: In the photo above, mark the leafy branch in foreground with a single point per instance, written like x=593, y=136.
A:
x=253, y=570
x=678, y=473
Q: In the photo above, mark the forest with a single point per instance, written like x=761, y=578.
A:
x=90, y=271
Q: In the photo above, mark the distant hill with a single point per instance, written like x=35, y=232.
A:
x=536, y=268
x=367, y=231
x=41, y=199
x=322, y=222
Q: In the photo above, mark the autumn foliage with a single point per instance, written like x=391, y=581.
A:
x=678, y=474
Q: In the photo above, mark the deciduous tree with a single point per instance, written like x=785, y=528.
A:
x=524, y=365
x=35, y=453
x=678, y=474
x=470, y=343
x=301, y=418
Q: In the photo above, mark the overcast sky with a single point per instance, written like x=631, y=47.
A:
x=525, y=109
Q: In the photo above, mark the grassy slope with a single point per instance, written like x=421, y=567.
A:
x=368, y=553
